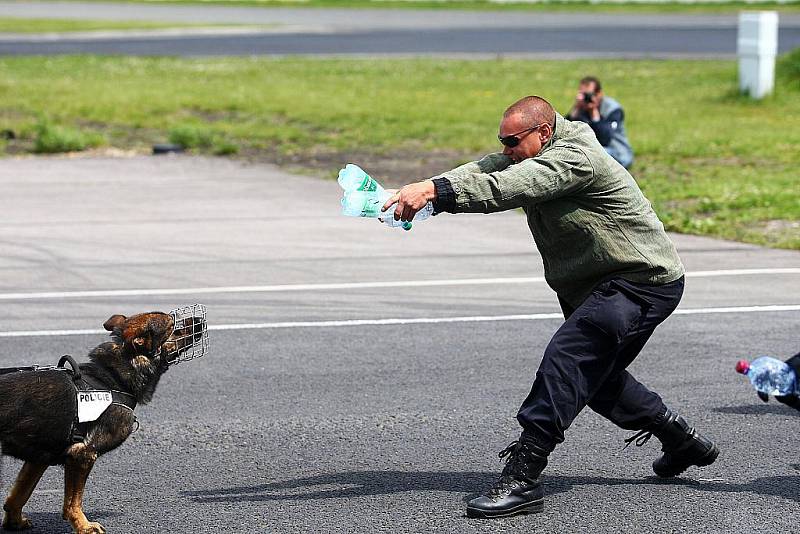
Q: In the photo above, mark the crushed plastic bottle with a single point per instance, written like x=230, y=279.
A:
x=770, y=376
x=364, y=197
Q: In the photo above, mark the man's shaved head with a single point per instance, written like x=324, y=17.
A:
x=527, y=126
x=532, y=110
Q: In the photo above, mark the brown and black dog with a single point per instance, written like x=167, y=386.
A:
x=38, y=411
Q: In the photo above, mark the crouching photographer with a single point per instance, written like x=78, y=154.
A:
x=605, y=116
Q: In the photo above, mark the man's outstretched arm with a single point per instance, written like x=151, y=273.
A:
x=439, y=190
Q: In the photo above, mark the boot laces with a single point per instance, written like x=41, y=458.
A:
x=515, y=458
x=508, y=480
x=640, y=439
x=504, y=486
x=508, y=450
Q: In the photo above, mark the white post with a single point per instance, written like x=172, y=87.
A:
x=757, y=47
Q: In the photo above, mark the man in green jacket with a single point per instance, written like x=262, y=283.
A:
x=615, y=271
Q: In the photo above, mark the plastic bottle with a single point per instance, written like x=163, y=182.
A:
x=769, y=376
x=364, y=197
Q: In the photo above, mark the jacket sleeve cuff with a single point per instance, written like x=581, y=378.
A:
x=445, y=196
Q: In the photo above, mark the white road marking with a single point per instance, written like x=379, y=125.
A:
x=742, y=272
x=348, y=286
x=412, y=320
x=264, y=289
x=45, y=333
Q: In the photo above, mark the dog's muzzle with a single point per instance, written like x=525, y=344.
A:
x=189, y=339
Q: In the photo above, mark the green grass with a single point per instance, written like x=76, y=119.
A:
x=191, y=136
x=712, y=162
x=485, y=5
x=18, y=25
x=50, y=139
x=199, y=136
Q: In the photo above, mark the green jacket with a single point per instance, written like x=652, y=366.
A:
x=587, y=215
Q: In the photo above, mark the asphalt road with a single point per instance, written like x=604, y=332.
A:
x=606, y=42
x=375, y=406
x=388, y=32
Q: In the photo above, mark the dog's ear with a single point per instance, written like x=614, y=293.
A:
x=113, y=322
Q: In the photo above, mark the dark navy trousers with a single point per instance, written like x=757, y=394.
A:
x=584, y=364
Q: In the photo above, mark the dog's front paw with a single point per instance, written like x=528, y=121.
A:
x=92, y=528
x=16, y=523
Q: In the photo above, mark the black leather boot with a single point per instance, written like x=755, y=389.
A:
x=682, y=446
x=519, y=489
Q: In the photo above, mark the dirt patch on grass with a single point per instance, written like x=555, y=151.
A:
x=393, y=169
x=782, y=226
x=774, y=233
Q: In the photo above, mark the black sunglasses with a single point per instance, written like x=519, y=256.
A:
x=512, y=140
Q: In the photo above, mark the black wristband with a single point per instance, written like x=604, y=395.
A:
x=445, y=196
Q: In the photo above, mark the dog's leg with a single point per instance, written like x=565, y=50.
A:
x=80, y=460
x=20, y=492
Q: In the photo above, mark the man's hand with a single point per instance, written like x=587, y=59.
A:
x=410, y=199
x=579, y=102
x=593, y=109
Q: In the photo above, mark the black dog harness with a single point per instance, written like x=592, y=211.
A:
x=84, y=385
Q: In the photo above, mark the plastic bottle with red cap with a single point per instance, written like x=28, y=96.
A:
x=770, y=376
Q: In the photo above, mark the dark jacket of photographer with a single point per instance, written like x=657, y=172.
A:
x=610, y=130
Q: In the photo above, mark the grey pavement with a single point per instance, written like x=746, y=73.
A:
x=361, y=427
x=361, y=32
x=601, y=42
